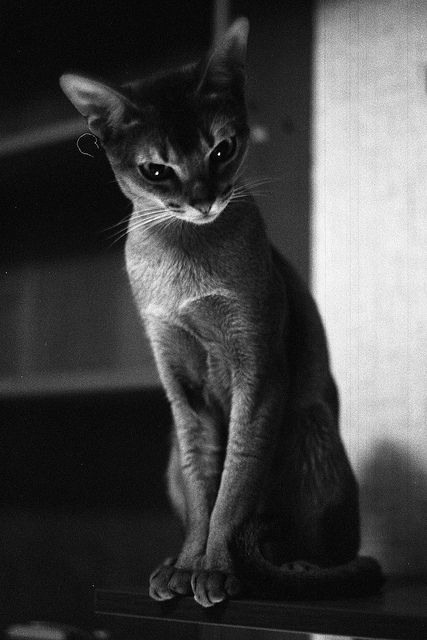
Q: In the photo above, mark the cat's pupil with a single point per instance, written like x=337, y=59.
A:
x=157, y=170
x=153, y=171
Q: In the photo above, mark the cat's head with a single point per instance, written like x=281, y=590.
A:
x=175, y=140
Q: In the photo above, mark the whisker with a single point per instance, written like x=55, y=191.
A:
x=144, y=223
x=256, y=182
x=118, y=224
x=151, y=214
x=139, y=213
x=144, y=214
x=253, y=188
x=125, y=222
x=147, y=222
x=146, y=218
x=161, y=224
x=244, y=200
x=270, y=177
x=147, y=209
x=254, y=193
x=119, y=237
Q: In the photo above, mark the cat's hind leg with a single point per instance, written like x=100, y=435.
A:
x=304, y=540
x=317, y=492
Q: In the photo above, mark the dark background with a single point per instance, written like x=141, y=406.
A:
x=57, y=204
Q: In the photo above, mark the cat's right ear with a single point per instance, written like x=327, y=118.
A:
x=225, y=66
x=102, y=106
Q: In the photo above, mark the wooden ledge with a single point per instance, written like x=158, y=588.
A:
x=398, y=612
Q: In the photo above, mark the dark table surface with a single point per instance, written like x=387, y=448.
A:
x=398, y=612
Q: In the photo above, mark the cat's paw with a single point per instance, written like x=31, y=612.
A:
x=210, y=586
x=167, y=581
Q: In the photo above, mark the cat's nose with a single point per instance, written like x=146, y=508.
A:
x=200, y=198
x=204, y=206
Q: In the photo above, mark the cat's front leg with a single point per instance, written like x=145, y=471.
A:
x=255, y=416
x=180, y=363
x=174, y=577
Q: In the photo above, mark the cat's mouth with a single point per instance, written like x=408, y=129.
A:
x=200, y=216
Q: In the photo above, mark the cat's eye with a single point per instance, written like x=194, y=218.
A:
x=155, y=172
x=223, y=151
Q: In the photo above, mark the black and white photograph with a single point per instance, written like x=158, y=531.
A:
x=213, y=320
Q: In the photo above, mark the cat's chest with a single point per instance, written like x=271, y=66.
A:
x=174, y=288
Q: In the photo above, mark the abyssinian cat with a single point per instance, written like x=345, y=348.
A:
x=257, y=470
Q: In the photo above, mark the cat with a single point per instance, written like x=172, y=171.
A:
x=257, y=471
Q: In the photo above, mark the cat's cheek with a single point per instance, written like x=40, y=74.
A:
x=218, y=207
x=125, y=188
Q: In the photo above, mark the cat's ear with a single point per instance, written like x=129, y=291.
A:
x=225, y=66
x=102, y=106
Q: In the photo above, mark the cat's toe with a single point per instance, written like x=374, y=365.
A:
x=180, y=582
x=212, y=587
x=159, y=581
x=208, y=588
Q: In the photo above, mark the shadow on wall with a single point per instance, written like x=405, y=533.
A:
x=393, y=500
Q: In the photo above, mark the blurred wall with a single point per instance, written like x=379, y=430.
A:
x=70, y=324
x=279, y=92
x=370, y=255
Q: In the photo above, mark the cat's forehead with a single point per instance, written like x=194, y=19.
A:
x=162, y=146
x=177, y=120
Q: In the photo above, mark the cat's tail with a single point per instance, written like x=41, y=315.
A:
x=300, y=580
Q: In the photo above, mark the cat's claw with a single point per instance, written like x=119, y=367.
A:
x=167, y=581
x=212, y=587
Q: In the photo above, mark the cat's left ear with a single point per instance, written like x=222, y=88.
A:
x=225, y=66
x=102, y=106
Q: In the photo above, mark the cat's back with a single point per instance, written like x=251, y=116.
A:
x=307, y=349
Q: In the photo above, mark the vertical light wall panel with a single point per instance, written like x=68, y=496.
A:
x=369, y=255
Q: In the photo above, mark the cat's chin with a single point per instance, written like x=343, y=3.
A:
x=197, y=217
x=203, y=219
